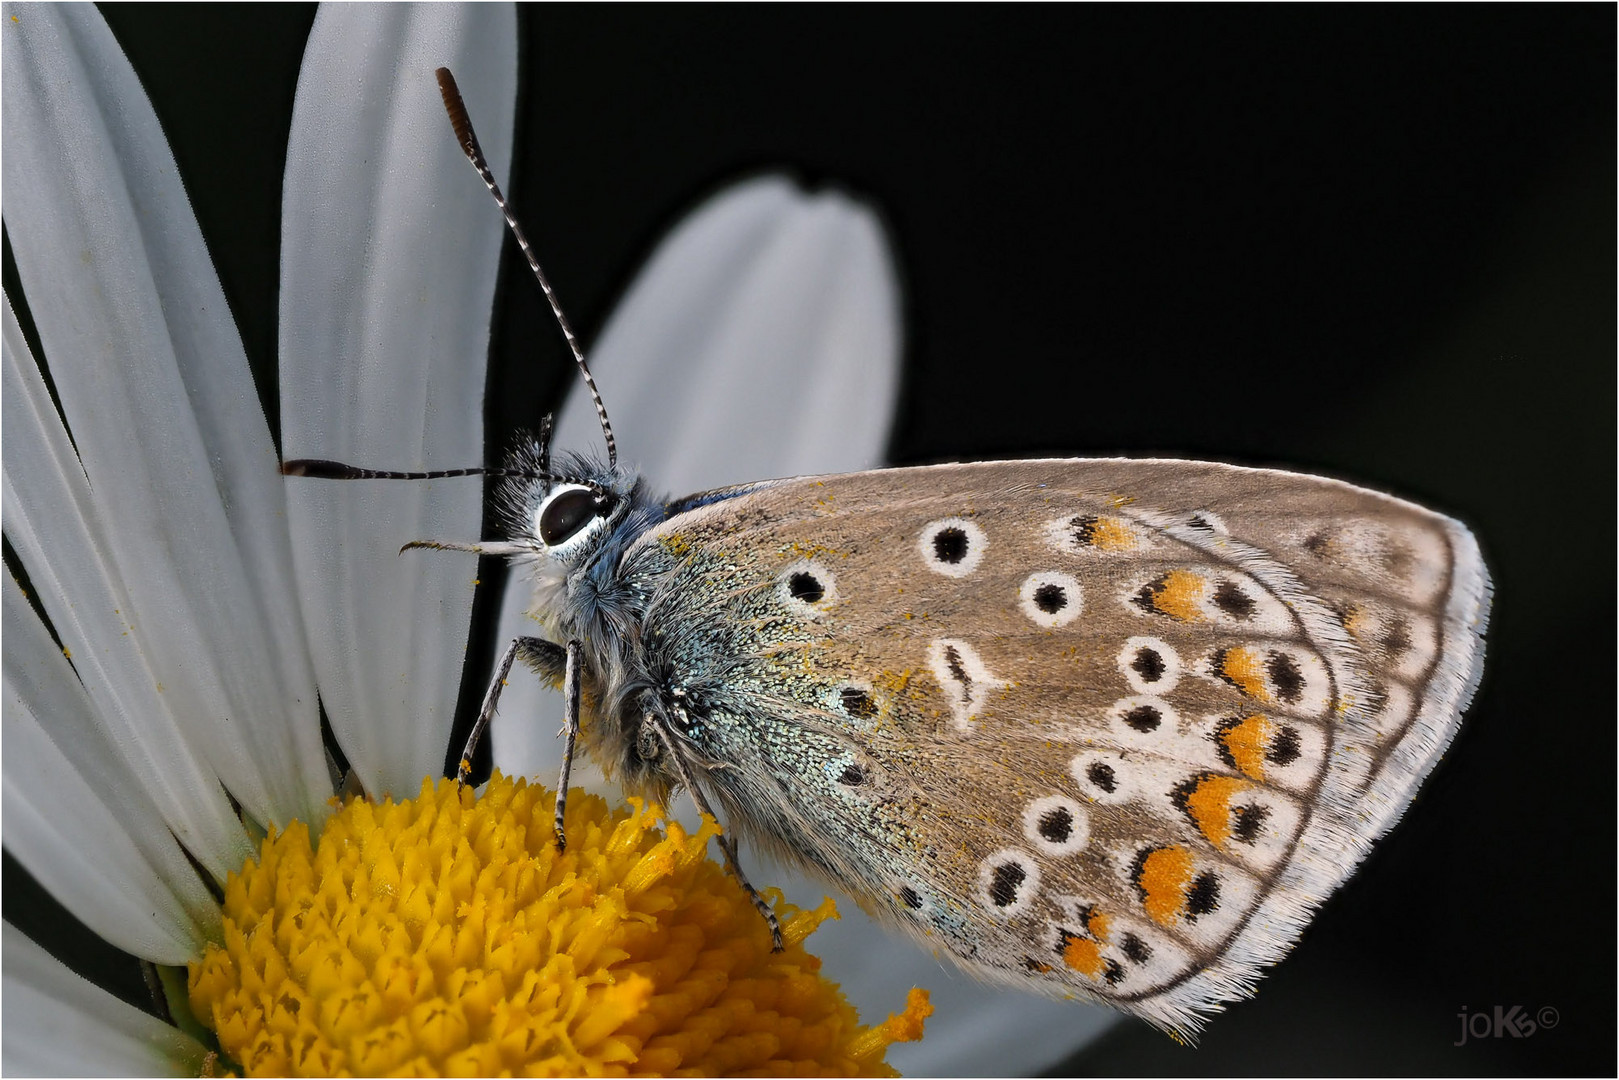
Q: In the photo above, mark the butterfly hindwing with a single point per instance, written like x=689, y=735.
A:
x=1113, y=726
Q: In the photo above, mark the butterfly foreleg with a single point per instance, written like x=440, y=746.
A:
x=544, y=657
x=727, y=845
x=570, y=733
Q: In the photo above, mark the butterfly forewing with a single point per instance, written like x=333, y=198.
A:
x=1113, y=726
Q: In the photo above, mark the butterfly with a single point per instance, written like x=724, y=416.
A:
x=1107, y=729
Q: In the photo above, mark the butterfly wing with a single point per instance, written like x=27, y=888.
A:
x=1114, y=727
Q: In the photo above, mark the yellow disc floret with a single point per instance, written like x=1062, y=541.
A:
x=446, y=935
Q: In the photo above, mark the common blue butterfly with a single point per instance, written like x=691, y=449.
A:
x=1100, y=728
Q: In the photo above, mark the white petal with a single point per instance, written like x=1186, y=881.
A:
x=761, y=339
x=976, y=1029
x=52, y=521
x=76, y=846
x=155, y=388
x=388, y=261
x=58, y=1024
x=58, y=755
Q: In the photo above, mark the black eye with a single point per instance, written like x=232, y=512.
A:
x=567, y=513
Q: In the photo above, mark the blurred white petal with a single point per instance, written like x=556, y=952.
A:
x=976, y=1029
x=155, y=388
x=761, y=339
x=75, y=816
x=55, y=525
x=58, y=1024
x=389, y=245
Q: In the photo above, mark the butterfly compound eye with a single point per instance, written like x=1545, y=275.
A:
x=566, y=512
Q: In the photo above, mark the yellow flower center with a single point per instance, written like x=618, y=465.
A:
x=447, y=935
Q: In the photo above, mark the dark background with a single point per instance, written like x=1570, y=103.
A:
x=1374, y=242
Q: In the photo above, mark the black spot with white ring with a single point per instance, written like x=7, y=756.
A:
x=952, y=546
x=1007, y=878
x=1203, y=896
x=1247, y=821
x=1144, y=718
x=1056, y=825
x=808, y=588
x=1285, y=677
x=1285, y=747
x=1230, y=598
x=1051, y=598
x=1150, y=665
x=1008, y=882
x=965, y=679
x=1103, y=776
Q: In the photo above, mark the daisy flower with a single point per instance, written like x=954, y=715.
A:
x=199, y=606
x=189, y=614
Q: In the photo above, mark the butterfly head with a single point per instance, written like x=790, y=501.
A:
x=570, y=517
x=562, y=509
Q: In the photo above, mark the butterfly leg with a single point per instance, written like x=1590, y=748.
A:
x=570, y=731
x=728, y=848
x=727, y=845
x=539, y=654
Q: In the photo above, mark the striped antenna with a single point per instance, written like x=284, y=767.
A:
x=335, y=470
x=545, y=444
x=324, y=469
x=469, y=146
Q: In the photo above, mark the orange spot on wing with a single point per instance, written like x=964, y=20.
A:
x=1177, y=595
x=1098, y=924
x=1112, y=534
x=1083, y=955
x=1244, y=669
x=1162, y=879
x=1247, y=742
x=1209, y=806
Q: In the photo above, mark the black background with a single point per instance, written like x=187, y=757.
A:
x=1374, y=242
